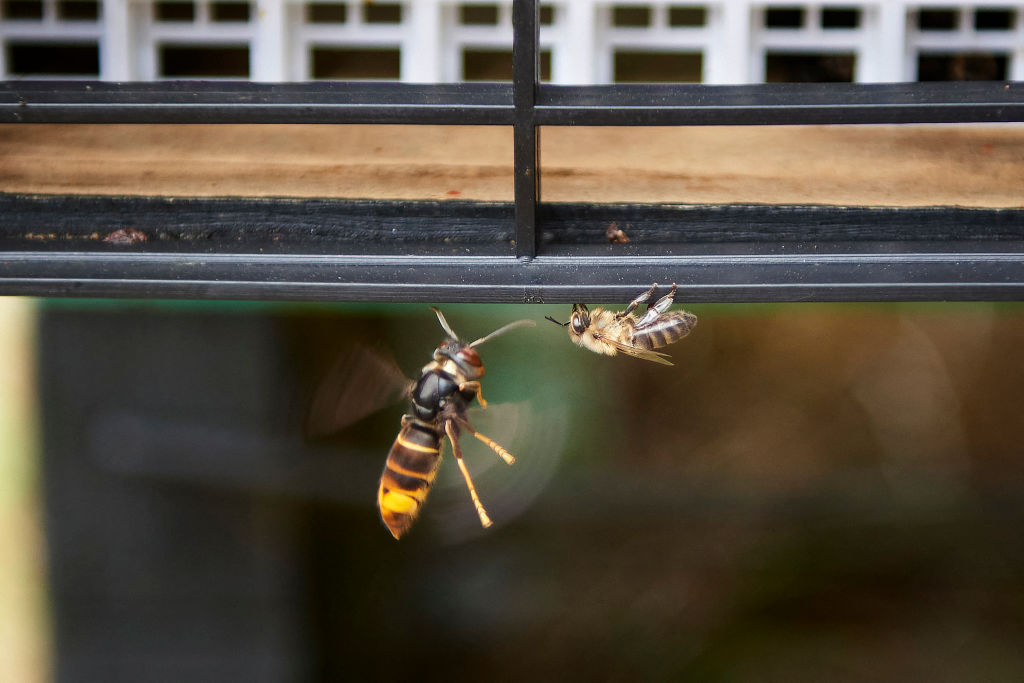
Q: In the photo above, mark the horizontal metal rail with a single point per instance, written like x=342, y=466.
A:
x=326, y=227
x=780, y=104
x=436, y=251
x=545, y=279
x=238, y=102
x=492, y=103
x=526, y=251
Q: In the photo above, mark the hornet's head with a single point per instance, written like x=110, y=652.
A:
x=457, y=351
x=464, y=355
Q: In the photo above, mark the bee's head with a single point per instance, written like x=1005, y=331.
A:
x=579, y=321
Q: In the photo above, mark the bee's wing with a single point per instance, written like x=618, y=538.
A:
x=360, y=382
x=637, y=352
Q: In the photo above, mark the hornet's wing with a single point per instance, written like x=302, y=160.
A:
x=360, y=382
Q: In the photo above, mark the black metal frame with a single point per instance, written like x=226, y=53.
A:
x=525, y=251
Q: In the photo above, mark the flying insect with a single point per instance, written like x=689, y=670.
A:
x=365, y=380
x=447, y=385
x=609, y=333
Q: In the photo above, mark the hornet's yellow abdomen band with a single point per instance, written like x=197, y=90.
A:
x=415, y=446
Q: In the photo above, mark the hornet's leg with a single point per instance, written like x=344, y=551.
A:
x=643, y=298
x=654, y=312
x=475, y=386
x=491, y=443
x=485, y=521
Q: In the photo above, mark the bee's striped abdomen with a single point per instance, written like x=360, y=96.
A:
x=667, y=329
x=408, y=473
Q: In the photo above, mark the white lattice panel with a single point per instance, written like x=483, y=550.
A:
x=583, y=41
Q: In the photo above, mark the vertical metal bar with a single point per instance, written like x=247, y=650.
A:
x=525, y=76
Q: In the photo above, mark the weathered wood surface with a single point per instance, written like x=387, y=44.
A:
x=967, y=165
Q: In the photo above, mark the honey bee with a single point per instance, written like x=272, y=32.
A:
x=439, y=399
x=611, y=333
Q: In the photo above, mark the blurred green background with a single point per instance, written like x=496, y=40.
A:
x=812, y=492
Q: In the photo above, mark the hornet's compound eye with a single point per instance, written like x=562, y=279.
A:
x=577, y=325
x=469, y=357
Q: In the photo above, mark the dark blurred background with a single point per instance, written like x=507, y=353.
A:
x=813, y=492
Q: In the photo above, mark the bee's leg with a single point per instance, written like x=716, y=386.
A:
x=654, y=312
x=643, y=298
x=485, y=521
x=475, y=386
x=491, y=443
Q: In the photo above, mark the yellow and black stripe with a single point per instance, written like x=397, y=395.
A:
x=666, y=330
x=408, y=473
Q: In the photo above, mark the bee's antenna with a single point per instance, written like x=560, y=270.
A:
x=503, y=330
x=565, y=324
x=444, y=323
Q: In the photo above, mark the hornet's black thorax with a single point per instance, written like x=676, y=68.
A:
x=454, y=364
